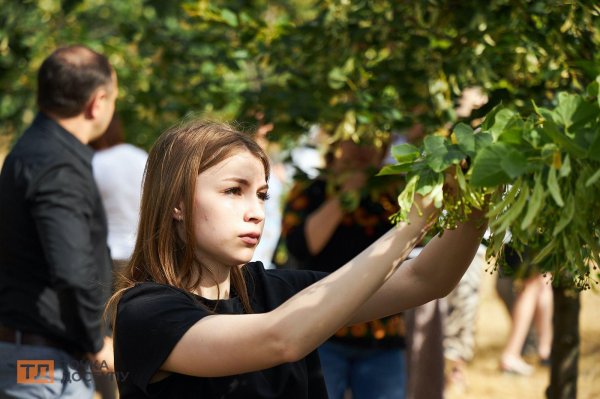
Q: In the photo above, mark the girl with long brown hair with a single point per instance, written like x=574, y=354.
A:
x=194, y=319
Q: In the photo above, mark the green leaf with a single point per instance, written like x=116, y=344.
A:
x=573, y=111
x=404, y=153
x=565, y=168
x=551, y=130
x=530, y=133
x=495, y=244
x=336, y=78
x=544, y=252
x=229, y=17
x=482, y=140
x=439, y=155
x=536, y=203
x=594, y=149
x=434, y=144
x=407, y=197
x=598, y=81
x=438, y=193
x=394, y=114
x=504, y=222
x=571, y=245
x=554, y=188
x=501, y=119
x=497, y=164
x=465, y=138
x=566, y=108
x=490, y=118
x=592, y=90
x=513, y=131
x=507, y=199
x=514, y=163
x=394, y=169
x=428, y=180
x=460, y=178
x=565, y=216
x=593, y=179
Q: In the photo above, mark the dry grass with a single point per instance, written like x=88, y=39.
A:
x=484, y=380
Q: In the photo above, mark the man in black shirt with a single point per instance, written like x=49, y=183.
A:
x=55, y=270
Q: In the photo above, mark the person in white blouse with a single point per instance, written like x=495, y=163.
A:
x=118, y=170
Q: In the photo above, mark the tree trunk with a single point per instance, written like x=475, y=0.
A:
x=565, y=345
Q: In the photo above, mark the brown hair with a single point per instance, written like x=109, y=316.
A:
x=179, y=155
x=68, y=78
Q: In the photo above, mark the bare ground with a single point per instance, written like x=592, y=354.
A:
x=485, y=380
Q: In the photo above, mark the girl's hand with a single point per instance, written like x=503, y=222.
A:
x=423, y=210
x=450, y=182
x=423, y=205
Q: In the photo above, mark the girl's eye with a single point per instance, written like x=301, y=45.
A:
x=264, y=196
x=234, y=191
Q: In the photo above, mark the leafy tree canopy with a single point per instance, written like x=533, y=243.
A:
x=358, y=68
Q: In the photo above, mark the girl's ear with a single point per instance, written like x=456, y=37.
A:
x=178, y=213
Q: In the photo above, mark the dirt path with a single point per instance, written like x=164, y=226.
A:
x=483, y=376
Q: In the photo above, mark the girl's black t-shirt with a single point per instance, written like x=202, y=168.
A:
x=152, y=318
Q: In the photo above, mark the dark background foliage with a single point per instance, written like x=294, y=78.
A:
x=358, y=68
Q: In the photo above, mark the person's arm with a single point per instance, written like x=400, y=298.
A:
x=322, y=223
x=432, y=274
x=62, y=209
x=211, y=347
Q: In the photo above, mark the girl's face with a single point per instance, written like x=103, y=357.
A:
x=229, y=202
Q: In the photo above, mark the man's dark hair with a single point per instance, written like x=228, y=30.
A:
x=68, y=78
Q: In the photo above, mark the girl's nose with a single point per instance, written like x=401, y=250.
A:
x=255, y=212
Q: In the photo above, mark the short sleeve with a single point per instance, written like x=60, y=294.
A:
x=297, y=279
x=151, y=319
x=279, y=285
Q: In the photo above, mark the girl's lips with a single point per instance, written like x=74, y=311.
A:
x=250, y=239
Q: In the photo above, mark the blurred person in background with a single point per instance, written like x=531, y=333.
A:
x=533, y=303
x=118, y=171
x=55, y=269
x=327, y=221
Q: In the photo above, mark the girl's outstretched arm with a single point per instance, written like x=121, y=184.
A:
x=432, y=274
x=220, y=345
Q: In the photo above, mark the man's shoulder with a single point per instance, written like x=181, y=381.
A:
x=36, y=147
x=40, y=164
x=46, y=141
